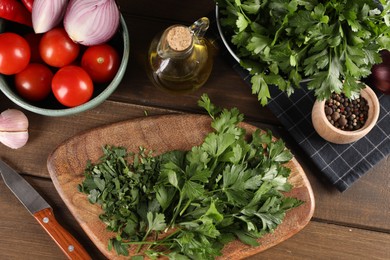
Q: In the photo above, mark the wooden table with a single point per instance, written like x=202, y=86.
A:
x=351, y=225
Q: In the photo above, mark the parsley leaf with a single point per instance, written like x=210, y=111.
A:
x=156, y=222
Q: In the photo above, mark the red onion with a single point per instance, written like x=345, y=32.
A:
x=91, y=22
x=46, y=14
x=381, y=74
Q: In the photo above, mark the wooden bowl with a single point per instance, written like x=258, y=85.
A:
x=335, y=135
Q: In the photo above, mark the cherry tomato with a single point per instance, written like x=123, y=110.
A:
x=72, y=86
x=34, y=82
x=14, y=53
x=101, y=62
x=33, y=40
x=57, y=49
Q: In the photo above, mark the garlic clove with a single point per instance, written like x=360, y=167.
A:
x=14, y=140
x=13, y=120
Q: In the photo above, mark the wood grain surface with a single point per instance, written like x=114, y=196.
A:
x=350, y=225
x=160, y=134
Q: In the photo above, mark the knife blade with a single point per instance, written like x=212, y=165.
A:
x=42, y=212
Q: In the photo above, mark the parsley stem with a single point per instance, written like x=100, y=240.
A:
x=143, y=240
x=185, y=207
x=145, y=243
x=177, y=210
x=217, y=190
x=163, y=241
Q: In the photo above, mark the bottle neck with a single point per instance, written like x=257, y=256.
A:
x=175, y=42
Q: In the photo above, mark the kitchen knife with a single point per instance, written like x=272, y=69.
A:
x=42, y=212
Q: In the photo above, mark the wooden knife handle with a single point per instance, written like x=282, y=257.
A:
x=69, y=245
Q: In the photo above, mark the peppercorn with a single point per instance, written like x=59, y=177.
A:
x=335, y=116
x=328, y=111
x=346, y=114
x=342, y=121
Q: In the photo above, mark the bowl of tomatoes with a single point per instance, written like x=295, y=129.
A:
x=59, y=77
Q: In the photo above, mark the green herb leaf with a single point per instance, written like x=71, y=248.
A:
x=156, y=222
x=246, y=238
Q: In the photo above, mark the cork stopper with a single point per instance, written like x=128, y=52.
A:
x=179, y=38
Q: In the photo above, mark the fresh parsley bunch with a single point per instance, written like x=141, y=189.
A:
x=188, y=204
x=332, y=43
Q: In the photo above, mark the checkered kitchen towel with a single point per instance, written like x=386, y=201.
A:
x=341, y=164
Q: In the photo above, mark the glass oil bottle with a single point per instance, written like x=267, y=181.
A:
x=180, y=58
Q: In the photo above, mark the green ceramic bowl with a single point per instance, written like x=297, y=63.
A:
x=51, y=107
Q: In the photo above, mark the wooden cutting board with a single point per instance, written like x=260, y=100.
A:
x=67, y=162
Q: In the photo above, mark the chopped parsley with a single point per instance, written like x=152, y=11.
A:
x=189, y=204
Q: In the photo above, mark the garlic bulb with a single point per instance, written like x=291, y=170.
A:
x=13, y=128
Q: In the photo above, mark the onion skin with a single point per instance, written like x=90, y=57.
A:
x=47, y=14
x=380, y=76
x=91, y=22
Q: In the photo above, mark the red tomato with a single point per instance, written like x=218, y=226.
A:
x=57, y=49
x=72, y=86
x=101, y=62
x=34, y=82
x=14, y=53
x=33, y=40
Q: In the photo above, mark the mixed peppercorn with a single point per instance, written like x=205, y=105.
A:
x=346, y=114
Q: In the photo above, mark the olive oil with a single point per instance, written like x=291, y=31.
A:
x=180, y=59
